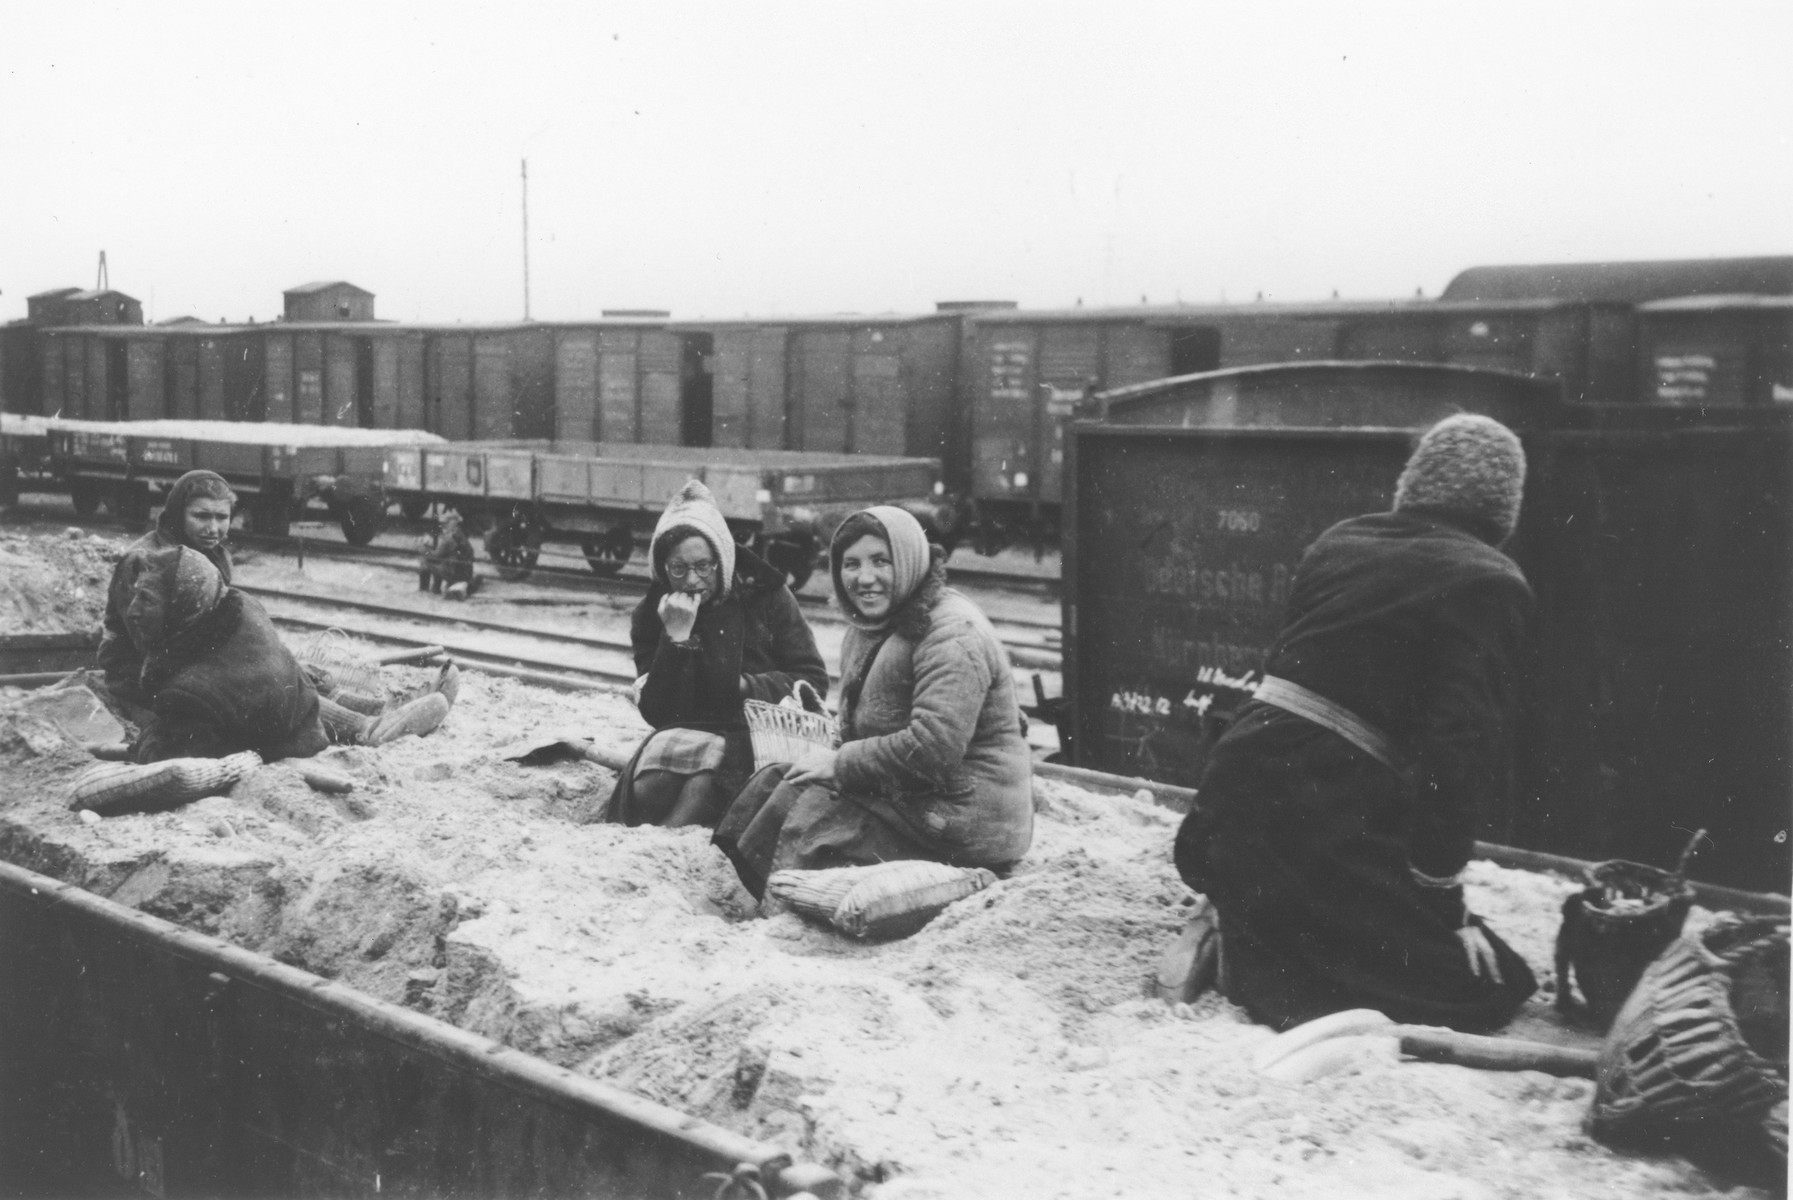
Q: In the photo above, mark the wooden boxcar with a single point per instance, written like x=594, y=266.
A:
x=1658, y=541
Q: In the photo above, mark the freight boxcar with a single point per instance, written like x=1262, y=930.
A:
x=1658, y=540
x=1575, y=325
x=603, y=496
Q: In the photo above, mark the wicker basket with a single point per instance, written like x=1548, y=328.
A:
x=1699, y=1051
x=1613, y=929
x=782, y=733
x=349, y=677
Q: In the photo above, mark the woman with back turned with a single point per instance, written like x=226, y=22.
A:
x=1336, y=812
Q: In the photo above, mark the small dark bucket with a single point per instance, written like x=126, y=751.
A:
x=1614, y=928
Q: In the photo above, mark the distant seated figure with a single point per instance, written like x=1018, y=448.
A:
x=216, y=678
x=717, y=626
x=196, y=515
x=932, y=763
x=448, y=560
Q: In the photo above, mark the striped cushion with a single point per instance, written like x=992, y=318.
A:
x=887, y=900
x=113, y=787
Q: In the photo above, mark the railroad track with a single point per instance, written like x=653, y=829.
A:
x=578, y=661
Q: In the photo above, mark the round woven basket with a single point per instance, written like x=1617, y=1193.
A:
x=342, y=673
x=1699, y=1051
x=1614, y=928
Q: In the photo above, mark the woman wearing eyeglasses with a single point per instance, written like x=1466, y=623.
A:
x=717, y=626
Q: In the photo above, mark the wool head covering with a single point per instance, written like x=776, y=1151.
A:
x=176, y=588
x=693, y=511
x=194, y=485
x=1467, y=465
x=910, y=556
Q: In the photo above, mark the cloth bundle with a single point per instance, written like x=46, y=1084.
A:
x=1698, y=1054
x=112, y=788
x=888, y=900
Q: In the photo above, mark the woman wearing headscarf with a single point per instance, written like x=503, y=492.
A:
x=932, y=762
x=1336, y=812
x=217, y=680
x=717, y=626
x=196, y=515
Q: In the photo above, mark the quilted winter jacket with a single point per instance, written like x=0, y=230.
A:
x=930, y=724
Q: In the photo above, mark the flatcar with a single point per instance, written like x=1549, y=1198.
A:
x=604, y=497
x=1658, y=540
x=275, y=468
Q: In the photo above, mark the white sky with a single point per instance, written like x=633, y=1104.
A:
x=754, y=157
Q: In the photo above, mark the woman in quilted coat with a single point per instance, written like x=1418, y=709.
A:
x=932, y=762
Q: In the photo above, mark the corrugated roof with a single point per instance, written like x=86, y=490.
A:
x=324, y=285
x=1625, y=282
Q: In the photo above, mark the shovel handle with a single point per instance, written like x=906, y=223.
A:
x=1497, y=1054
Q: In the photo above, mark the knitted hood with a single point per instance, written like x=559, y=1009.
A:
x=693, y=511
x=1468, y=466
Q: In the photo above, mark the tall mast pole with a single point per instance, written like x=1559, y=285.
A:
x=526, y=239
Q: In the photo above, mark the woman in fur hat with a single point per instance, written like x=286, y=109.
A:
x=932, y=762
x=717, y=626
x=1336, y=812
x=196, y=515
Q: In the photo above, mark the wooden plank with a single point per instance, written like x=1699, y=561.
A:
x=824, y=389
x=340, y=400
x=386, y=376
x=277, y=376
x=576, y=385
x=732, y=416
x=408, y=412
x=493, y=415
x=661, y=417
x=767, y=391
x=143, y=366
x=618, y=368
x=308, y=365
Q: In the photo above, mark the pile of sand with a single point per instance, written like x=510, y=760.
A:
x=55, y=584
x=1007, y=1049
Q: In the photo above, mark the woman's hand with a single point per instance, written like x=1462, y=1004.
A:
x=817, y=766
x=1482, y=961
x=678, y=614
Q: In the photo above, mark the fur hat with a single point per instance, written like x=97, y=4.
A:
x=1469, y=466
x=693, y=511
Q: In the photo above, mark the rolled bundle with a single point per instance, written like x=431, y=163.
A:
x=886, y=900
x=111, y=788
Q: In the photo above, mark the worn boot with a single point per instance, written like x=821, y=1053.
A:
x=344, y=725
x=448, y=682
x=418, y=716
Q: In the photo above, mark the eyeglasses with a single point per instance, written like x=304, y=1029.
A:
x=679, y=570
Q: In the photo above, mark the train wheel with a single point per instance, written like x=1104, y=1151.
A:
x=513, y=546
x=796, y=558
x=130, y=503
x=270, y=515
x=607, y=554
x=360, y=507
x=86, y=498
x=414, y=508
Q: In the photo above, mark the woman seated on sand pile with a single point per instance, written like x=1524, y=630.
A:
x=196, y=515
x=932, y=763
x=217, y=681
x=717, y=626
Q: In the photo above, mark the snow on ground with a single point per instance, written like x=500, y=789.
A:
x=1009, y=1049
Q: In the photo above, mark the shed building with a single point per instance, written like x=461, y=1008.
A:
x=73, y=306
x=329, y=300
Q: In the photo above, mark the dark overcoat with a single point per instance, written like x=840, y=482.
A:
x=1331, y=871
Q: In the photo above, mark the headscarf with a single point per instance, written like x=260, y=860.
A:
x=195, y=485
x=910, y=557
x=693, y=511
x=1468, y=466
x=184, y=588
